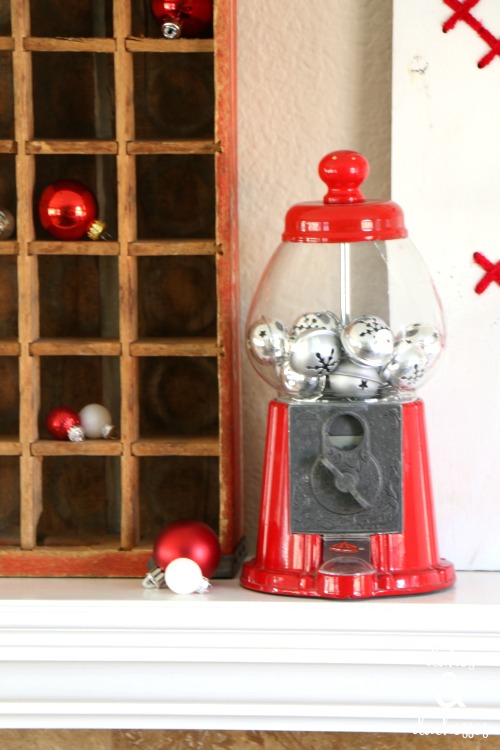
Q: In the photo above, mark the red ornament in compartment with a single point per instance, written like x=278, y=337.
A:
x=68, y=211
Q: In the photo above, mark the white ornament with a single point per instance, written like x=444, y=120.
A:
x=96, y=421
x=184, y=576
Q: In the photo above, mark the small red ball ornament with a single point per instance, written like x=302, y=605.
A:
x=68, y=211
x=187, y=18
x=187, y=538
x=63, y=423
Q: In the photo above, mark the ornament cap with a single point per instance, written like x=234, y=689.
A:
x=171, y=30
x=76, y=434
x=154, y=579
x=344, y=215
x=96, y=229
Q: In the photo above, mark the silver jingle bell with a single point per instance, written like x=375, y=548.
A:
x=407, y=366
x=315, y=352
x=426, y=336
x=368, y=341
x=352, y=380
x=299, y=387
x=315, y=321
x=268, y=342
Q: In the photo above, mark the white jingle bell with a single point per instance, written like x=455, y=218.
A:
x=96, y=422
x=315, y=321
x=352, y=380
x=268, y=342
x=315, y=352
x=368, y=341
x=299, y=386
x=426, y=336
x=407, y=366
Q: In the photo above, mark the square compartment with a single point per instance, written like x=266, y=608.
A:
x=76, y=382
x=81, y=501
x=177, y=487
x=97, y=173
x=8, y=297
x=177, y=296
x=5, y=25
x=71, y=18
x=9, y=397
x=174, y=96
x=175, y=197
x=10, y=507
x=78, y=296
x=178, y=396
x=73, y=95
x=6, y=97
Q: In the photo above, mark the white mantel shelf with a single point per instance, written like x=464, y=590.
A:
x=91, y=653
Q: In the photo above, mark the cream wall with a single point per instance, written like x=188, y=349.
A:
x=314, y=76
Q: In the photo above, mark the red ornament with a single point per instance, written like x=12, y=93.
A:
x=192, y=539
x=187, y=18
x=63, y=423
x=68, y=210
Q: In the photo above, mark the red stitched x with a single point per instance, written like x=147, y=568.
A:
x=492, y=272
x=462, y=13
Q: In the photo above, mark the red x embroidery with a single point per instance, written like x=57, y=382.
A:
x=492, y=272
x=462, y=10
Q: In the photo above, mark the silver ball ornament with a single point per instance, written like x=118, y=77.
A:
x=268, y=342
x=315, y=352
x=7, y=224
x=300, y=387
x=426, y=336
x=407, y=366
x=352, y=380
x=368, y=340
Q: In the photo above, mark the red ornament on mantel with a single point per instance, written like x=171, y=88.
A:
x=187, y=18
x=63, y=423
x=188, y=538
x=68, y=210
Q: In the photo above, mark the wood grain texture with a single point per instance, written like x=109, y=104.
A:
x=131, y=739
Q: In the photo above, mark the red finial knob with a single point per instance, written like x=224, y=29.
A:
x=343, y=172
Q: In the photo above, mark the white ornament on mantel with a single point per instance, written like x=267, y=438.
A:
x=446, y=176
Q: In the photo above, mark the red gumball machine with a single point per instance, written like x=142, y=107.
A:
x=345, y=325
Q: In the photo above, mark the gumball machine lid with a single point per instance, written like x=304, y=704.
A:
x=344, y=215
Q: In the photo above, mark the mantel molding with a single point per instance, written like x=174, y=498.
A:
x=82, y=653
